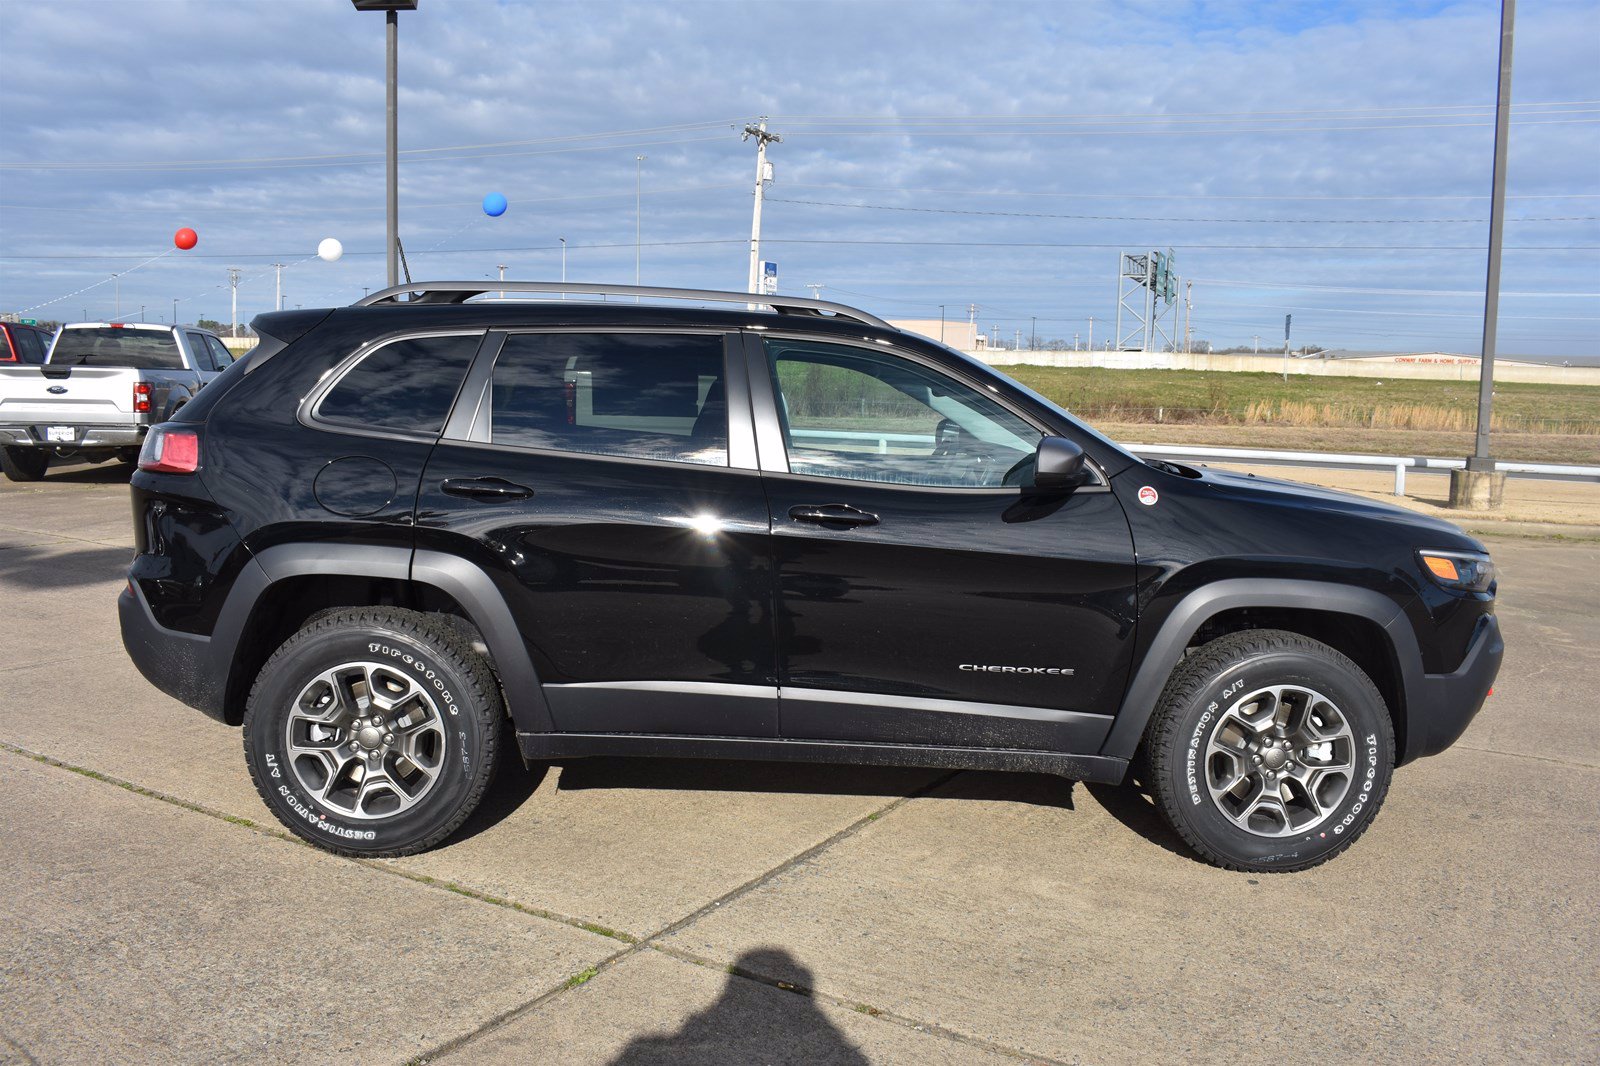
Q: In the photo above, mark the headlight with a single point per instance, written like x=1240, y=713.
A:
x=1464, y=571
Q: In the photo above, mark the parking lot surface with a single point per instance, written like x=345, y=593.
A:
x=632, y=912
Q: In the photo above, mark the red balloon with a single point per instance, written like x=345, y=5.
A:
x=186, y=238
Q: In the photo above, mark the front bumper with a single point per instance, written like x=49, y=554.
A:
x=179, y=664
x=84, y=436
x=1441, y=706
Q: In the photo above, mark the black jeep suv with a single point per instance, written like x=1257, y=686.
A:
x=782, y=530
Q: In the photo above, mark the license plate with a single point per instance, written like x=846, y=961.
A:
x=66, y=433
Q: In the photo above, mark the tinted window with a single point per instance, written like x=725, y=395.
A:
x=143, y=349
x=407, y=385
x=203, y=359
x=871, y=416
x=640, y=395
x=219, y=353
x=31, y=345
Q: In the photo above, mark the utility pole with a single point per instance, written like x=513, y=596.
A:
x=277, y=298
x=1075, y=336
x=233, y=283
x=141, y=312
x=1091, y=333
x=1033, y=333
x=563, y=241
x=1017, y=344
x=1286, y=320
x=116, y=289
x=502, y=268
x=1258, y=344
x=174, y=311
x=763, y=175
x=1475, y=487
x=1189, y=314
x=638, y=215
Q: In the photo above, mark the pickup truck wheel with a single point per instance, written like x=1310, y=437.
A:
x=373, y=731
x=1269, y=751
x=24, y=464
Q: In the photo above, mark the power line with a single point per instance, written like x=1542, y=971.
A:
x=1157, y=218
x=1186, y=196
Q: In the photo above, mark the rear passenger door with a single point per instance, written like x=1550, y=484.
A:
x=607, y=483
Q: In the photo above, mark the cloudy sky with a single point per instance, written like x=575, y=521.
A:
x=1326, y=159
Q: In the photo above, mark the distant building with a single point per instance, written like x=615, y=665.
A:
x=956, y=332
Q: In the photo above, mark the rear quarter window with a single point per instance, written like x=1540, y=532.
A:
x=405, y=385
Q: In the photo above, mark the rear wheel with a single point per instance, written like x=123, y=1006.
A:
x=373, y=731
x=24, y=464
x=1269, y=751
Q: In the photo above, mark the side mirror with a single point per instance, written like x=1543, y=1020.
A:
x=1059, y=465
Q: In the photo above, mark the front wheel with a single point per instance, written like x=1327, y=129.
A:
x=373, y=732
x=1269, y=751
x=24, y=464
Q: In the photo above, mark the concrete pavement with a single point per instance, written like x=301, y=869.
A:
x=610, y=911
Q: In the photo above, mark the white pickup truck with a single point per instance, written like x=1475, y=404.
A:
x=100, y=390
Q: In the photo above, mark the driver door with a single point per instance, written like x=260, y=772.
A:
x=924, y=595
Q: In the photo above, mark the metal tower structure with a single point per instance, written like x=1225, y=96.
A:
x=1147, y=302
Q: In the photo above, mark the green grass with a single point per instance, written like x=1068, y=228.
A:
x=1217, y=398
x=581, y=977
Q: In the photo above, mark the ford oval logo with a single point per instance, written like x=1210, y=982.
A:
x=57, y=390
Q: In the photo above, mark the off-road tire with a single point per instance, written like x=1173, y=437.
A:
x=415, y=648
x=24, y=464
x=1203, y=693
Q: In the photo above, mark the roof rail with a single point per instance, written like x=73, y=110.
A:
x=456, y=292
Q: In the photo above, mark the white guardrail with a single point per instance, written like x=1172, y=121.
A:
x=1400, y=464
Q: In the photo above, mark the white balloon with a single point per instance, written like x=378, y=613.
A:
x=330, y=249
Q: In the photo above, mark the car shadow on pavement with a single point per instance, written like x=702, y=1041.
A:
x=34, y=567
x=107, y=473
x=765, y=1014
x=820, y=779
x=1130, y=803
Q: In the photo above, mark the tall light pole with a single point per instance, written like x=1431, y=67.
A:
x=391, y=12
x=1475, y=486
x=502, y=269
x=174, y=311
x=563, y=241
x=1091, y=333
x=941, y=323
x=638, y=216
x=277, y=297
x=116, y=289
x=233, y=283
x=763, y=175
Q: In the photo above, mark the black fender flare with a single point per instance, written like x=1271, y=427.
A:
x=462, y=581
x=1194, y=609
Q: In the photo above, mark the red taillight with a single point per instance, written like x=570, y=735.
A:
x=170, y=451
x=141, y=397
x=119, y=325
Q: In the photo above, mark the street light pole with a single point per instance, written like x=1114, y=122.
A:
x=563, y=241
x=391, y=10
x=1479, y=459
x=638, y=216
x=941, y=323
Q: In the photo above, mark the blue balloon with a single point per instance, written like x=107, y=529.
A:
x=494, y=205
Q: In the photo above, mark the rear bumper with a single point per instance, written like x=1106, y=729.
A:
x=179, y=664
x=15, y=435
x=1441, y=706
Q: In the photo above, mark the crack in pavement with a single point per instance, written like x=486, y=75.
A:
x=632, y=944
x=689, y=919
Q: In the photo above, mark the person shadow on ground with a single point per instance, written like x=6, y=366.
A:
x=752, y=1024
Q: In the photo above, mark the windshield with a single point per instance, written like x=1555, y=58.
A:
x=141, y=349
